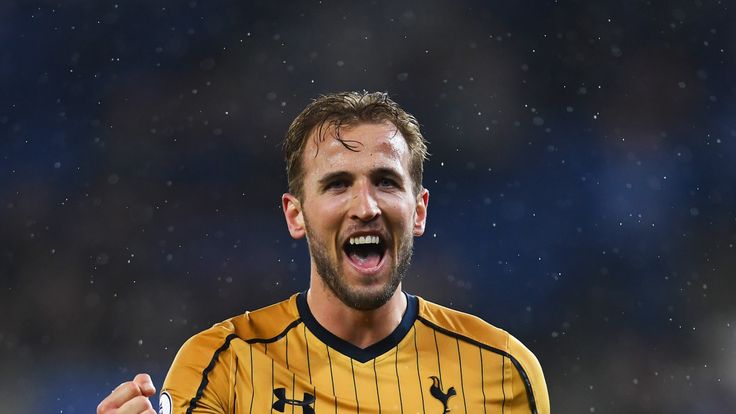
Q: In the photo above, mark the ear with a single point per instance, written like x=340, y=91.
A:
x=420, y=212
x=293, y=215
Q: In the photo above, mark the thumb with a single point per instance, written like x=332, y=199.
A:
x=145, y=384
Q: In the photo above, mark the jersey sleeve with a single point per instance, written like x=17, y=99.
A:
x=527, y=378
x=200, y=376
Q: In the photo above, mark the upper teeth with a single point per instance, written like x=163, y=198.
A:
x=364, y=240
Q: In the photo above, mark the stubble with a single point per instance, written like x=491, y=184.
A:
x=354, y=297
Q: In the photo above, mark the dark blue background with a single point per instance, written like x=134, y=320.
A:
x=582, y=182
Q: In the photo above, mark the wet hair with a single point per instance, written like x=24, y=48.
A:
x=345, y=109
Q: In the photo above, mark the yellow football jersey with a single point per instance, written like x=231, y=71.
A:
x=279, y=359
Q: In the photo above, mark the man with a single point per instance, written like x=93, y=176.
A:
x=354, y=341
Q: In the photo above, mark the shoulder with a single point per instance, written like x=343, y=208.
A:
x=462, y=325
x=472, y=329
x=200, y=372
x=264, y=323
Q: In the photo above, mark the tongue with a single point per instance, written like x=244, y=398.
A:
x=365, y=260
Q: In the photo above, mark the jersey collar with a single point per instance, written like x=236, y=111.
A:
x=350, y=350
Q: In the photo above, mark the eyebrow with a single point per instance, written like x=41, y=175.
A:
x=381, y=171
x=329, y=177
x=384, y=171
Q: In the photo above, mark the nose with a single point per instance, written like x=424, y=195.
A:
x=364, y=206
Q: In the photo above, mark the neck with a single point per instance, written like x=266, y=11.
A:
x=359, y=327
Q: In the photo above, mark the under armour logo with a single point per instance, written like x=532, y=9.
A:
x=436, y=390
x=306, y=403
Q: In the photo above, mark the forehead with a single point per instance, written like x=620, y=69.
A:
x=371, y=145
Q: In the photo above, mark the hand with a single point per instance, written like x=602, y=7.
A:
x=130, y=397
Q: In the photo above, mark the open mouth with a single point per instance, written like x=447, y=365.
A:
x=365, y=252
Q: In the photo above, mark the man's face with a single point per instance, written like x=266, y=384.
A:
x=359, y=212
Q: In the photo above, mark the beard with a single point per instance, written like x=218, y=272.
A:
x=355, y=297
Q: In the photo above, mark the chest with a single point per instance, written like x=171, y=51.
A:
x=422, y=374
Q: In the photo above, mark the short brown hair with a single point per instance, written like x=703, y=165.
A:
x=347, y=109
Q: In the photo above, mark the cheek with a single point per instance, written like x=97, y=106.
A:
x=325, y=208
x=400, y=212
x=324, y=218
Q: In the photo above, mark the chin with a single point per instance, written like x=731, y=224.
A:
x=366, y=294
x=367, y=300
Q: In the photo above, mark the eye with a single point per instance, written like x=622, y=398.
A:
x=336, y=185
x=387, y=183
